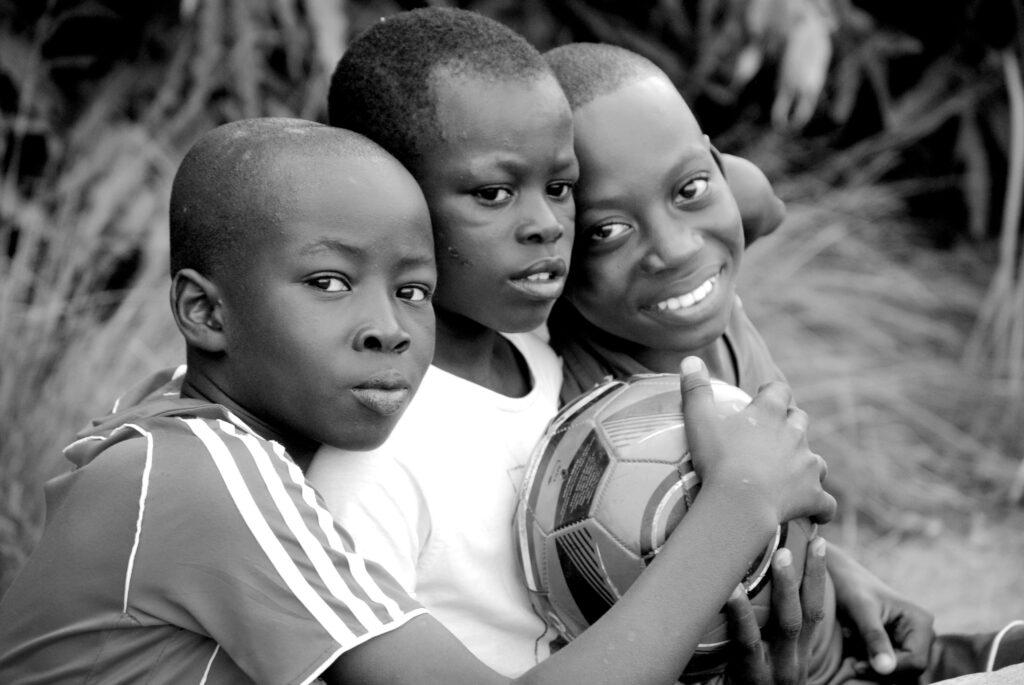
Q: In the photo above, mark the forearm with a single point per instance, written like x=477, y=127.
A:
x=645, y=639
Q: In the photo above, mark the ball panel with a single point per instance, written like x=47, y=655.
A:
x=580, y=561
x=622, y=513
x=589, y=571
x=580, y=481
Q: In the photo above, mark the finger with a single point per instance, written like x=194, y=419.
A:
x=787, y=619
x=912, y=637
x=746, y=652
x=825, y=510
x=812, y=592
x=797, y=419
x=881, y=656
x=775, y=398
x=698, y=406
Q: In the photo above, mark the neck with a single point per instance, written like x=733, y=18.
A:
x=714, y=354
x=479, y=355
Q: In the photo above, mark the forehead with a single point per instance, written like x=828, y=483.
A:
x=371, y=204
x=490, y=109
x=642, y=115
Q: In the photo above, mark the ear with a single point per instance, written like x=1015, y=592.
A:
x=196, y=305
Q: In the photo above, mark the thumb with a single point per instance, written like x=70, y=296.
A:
x=876, y=641
x=698, y=406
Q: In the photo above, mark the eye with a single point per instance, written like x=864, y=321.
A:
x=414, y=293
x=693, y=189
x=560, y=190
x=494, y=195
x=330, y=284
x=604, y=233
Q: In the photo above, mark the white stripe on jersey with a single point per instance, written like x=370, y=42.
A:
x=357, y=563
x=316, y=553
x=143, y=494
x=271, y=546
x=209, y=664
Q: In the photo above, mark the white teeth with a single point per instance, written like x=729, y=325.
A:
x=544, y=276
x=689, y=299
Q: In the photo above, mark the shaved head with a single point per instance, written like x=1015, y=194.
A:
x=589, y=70
x=238, y=180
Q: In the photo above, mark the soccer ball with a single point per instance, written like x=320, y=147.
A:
x=606, y=484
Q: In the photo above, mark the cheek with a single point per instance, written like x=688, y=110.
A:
x=595, y=294
x=598, y=279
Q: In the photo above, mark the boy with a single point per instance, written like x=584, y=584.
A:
x=475, y=114
x=186, y=546
x=658, y=246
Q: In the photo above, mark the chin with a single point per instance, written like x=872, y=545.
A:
x=363, y=440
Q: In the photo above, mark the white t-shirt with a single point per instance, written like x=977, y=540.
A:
x=434, y=505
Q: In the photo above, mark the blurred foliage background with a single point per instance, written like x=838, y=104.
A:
x=893, y=295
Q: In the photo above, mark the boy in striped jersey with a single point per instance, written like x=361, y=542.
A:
x=186, y=545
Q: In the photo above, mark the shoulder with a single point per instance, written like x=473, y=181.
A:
x=205, y=465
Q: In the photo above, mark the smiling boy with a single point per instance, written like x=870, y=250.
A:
x=659, y=244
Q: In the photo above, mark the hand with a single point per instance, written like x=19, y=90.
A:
x=759, y=454
x=895, y=633
x=761, y=210
x=782, y=655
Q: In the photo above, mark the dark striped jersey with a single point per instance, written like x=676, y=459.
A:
x=185, y=548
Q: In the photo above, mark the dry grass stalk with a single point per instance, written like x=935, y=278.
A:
x=873, y=349
x=72, y=341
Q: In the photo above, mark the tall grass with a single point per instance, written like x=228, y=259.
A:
x=67, y=341
x=869, y=324
x=83, y=283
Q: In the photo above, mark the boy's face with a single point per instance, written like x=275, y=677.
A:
x=329, y=325
x=658, y=233
x=499, y=182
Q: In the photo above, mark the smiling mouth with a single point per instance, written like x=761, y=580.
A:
x=690, y=299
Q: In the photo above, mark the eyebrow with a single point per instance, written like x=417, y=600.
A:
x=330, y=245
x=690, y=156
x=512, y=163
x=335, y=245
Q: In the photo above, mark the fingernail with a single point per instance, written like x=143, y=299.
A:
x=783, y=557
x=692, y=365
x=737, y=591
x=883, y=663
x=818, y=547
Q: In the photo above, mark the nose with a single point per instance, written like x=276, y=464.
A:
x=381, y=331
x=541, y=224
x=670, y=244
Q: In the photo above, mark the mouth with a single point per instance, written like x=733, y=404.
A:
x=384, y=394
x=686, y=302
x=543, y=280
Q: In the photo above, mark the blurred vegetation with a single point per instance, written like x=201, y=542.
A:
x=893, y=296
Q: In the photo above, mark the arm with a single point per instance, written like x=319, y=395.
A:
x=650, y=634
